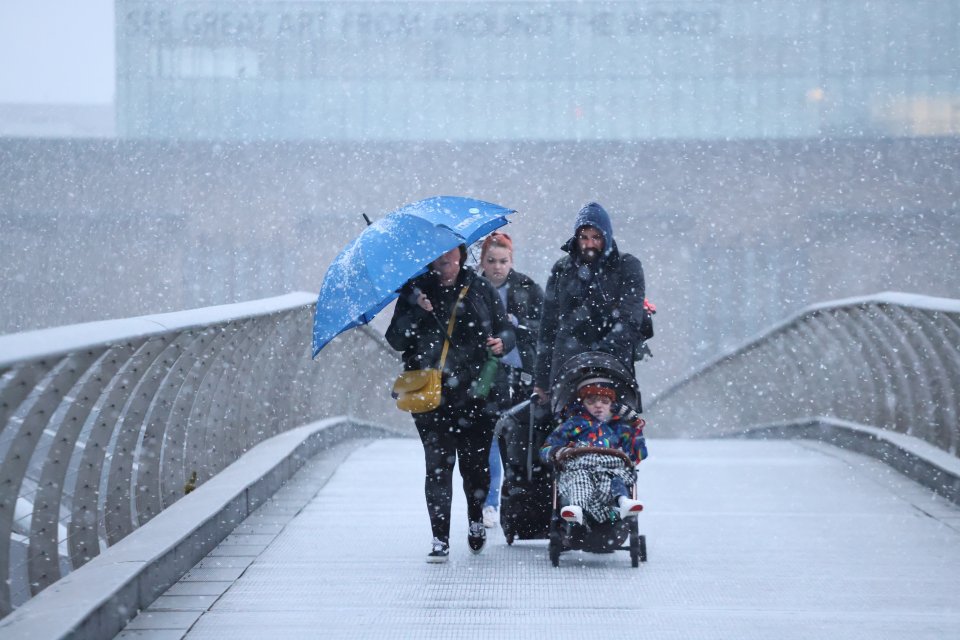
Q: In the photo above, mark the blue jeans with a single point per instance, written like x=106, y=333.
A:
x=496, y=475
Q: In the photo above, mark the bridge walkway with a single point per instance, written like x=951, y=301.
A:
x=746, y=539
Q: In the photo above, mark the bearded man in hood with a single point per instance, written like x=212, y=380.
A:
x=593, y=301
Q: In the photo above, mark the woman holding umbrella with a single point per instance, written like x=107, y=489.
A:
x=462, y=426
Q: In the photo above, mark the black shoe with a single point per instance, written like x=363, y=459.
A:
x=476, y=537
x=439, y=552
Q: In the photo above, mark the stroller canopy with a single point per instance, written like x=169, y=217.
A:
x=589, y=365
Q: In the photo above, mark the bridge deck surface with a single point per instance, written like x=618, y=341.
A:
x=747, y=539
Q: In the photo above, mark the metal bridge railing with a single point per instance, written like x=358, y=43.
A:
x=103, y=425
x=890, y=361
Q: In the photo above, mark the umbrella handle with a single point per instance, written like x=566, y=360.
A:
x=443, y=329
x=367, y=219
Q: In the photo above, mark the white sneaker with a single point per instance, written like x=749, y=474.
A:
x=572, y=513
x=629, y=508
x=490, y=516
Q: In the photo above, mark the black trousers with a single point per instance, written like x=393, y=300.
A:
x=455, y=432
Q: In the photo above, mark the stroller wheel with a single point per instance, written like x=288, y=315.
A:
x=554, y=548
x=509, y=539
x=638, y=545
x=556, y=541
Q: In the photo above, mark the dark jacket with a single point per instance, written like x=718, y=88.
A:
x=419, y=335
x=525, y=302
x=591, y=307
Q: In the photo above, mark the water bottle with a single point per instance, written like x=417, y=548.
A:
x=488, y=375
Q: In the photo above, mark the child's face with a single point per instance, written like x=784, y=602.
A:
x=598, y=406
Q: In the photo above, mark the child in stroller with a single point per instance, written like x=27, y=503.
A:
x=586, y=449
x=594, y=451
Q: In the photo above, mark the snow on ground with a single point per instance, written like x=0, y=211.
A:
x=747, y=539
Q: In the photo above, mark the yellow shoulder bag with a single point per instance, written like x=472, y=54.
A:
x=418, y=391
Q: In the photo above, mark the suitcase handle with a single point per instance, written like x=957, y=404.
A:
x=533, y=404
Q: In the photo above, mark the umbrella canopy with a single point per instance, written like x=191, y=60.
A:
x=365, y=276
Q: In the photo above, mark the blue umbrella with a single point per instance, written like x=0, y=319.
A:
x=365, y=276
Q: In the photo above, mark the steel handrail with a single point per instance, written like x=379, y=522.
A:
x=104, y=425
x=890, y=361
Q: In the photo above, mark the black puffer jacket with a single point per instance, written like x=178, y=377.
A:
x=419, y=335
x=525, y=302
x=591, y=307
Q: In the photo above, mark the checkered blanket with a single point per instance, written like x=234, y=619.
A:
x=586, y=481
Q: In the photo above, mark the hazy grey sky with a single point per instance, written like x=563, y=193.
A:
x=56, y=51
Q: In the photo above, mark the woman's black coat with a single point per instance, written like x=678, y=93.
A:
x=525, y=302
x=419, y=334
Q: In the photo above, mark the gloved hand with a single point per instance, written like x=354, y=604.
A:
x=560, y=451
x=626, y=413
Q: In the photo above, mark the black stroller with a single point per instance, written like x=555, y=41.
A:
x=529, y=508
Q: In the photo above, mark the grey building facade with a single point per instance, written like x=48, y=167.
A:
x=534, y=70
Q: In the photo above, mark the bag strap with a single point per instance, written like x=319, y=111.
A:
x=453, y=318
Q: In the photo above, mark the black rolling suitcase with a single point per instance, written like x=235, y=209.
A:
x=526, y=498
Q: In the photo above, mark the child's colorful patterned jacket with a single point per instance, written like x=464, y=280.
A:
x=581, y=429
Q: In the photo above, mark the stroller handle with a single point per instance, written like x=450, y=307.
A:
x=570, y=453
